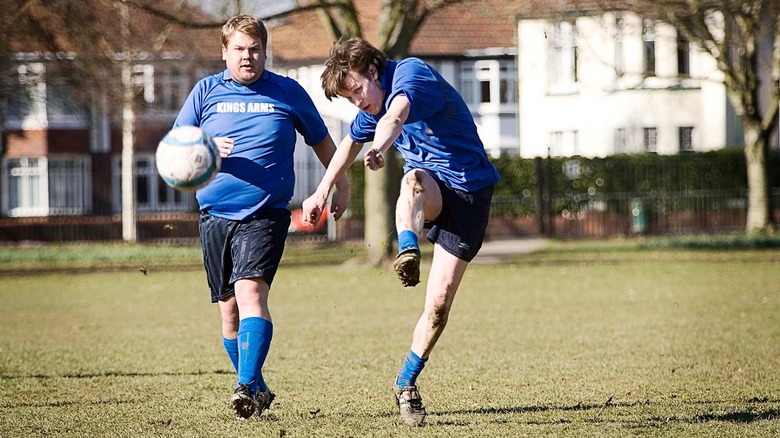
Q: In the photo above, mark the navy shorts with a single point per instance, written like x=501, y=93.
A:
x=236, y=250
x=460, y=227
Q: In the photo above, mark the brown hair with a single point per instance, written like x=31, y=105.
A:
x=355, y=54
x=245, y=24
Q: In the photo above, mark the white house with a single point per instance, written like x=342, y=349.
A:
x=605, y=82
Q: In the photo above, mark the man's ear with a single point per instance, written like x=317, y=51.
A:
x=373, y=72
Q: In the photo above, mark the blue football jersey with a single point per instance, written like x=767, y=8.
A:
x=262, y=119
x=439, y=135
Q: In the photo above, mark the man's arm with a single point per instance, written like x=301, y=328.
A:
x=337, y=164
x=388, y=128
x=325, y=151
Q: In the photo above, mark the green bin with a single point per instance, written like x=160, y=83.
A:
x=638, y=216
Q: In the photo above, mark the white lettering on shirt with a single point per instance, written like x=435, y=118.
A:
x=245, y=107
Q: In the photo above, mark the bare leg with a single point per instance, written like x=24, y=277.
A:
x=419, y=200
x=443, y=281
x=229, y=311
x=252, y=298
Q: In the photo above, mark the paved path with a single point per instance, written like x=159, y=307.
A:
x=494, y=250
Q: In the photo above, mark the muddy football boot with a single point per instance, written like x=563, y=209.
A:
x=407, y=267
x=410, y=405
x=244, y=404
x=263, y=400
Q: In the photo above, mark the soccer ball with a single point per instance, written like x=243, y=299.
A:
x=187, y=158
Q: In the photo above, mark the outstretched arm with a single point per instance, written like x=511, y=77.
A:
x=325, y=151
x=388, y=128
x=340, y=160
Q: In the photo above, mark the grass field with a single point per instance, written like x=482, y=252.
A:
x=591, y=339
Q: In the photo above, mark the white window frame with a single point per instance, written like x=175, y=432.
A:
x=171, y=87
x=31, y=76
x=145, y=167
x=691, y=132
x=649, y=61
x=493, y=72
x=620, y=62
x=621, y=141
x=32, y=183
x=143, y=84
x=562, y=57
x=38, y=182
x=650, y=139
x=563, y=143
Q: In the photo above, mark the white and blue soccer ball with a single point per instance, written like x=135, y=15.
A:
x=187, y=158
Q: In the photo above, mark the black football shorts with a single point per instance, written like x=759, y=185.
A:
x=460, y=227
x=236, y=250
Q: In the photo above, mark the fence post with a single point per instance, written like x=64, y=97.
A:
x=539, y=217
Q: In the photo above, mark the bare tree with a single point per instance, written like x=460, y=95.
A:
x=744, y=38
x=102, y=39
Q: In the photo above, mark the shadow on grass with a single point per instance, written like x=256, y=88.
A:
x=110, y=374
x=744, y=416
x=528, y=409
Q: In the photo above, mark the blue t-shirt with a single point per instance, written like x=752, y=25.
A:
x=439, y=135
x=262, y=119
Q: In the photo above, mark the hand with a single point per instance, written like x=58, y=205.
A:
x=312, y=208
x=224, y=145
x=374, y=159
x=339, y=201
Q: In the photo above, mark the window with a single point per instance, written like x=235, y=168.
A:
x=487, y=83
x=64, y=104
x=151, y=192
x=466, y=83
x=171, y=89
x=69, y=186
x=143, y=85
x=27, y=106
x=620, y=67
x=650, y=139
x=621, y=141
x=648, y=54
x=26, y=185
x=683, y=55
x=47, y=186
x=686, y=138
x=562, y=143
x=562, y=56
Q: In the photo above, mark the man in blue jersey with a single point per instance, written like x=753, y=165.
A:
x=447, y=184
x=253, y=115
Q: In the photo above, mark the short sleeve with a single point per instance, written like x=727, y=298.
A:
x=414, y=79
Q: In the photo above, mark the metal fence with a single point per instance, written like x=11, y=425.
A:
x=624, y=214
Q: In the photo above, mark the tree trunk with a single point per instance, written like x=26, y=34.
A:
x=129, y=228
x=758, y=219
x=379, y=224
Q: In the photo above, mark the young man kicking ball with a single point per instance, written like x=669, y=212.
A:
x=447, y=184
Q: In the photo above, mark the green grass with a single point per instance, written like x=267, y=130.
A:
x=579, y=339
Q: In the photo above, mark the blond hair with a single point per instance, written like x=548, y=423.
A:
x=246, y=24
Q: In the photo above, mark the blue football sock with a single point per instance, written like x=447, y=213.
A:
x=254, y=341
x=231, y=347
x=413, y=365
x=407, y=239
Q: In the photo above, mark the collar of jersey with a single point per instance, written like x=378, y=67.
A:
x=226, y=76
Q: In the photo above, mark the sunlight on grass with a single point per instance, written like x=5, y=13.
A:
x=581, y=339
